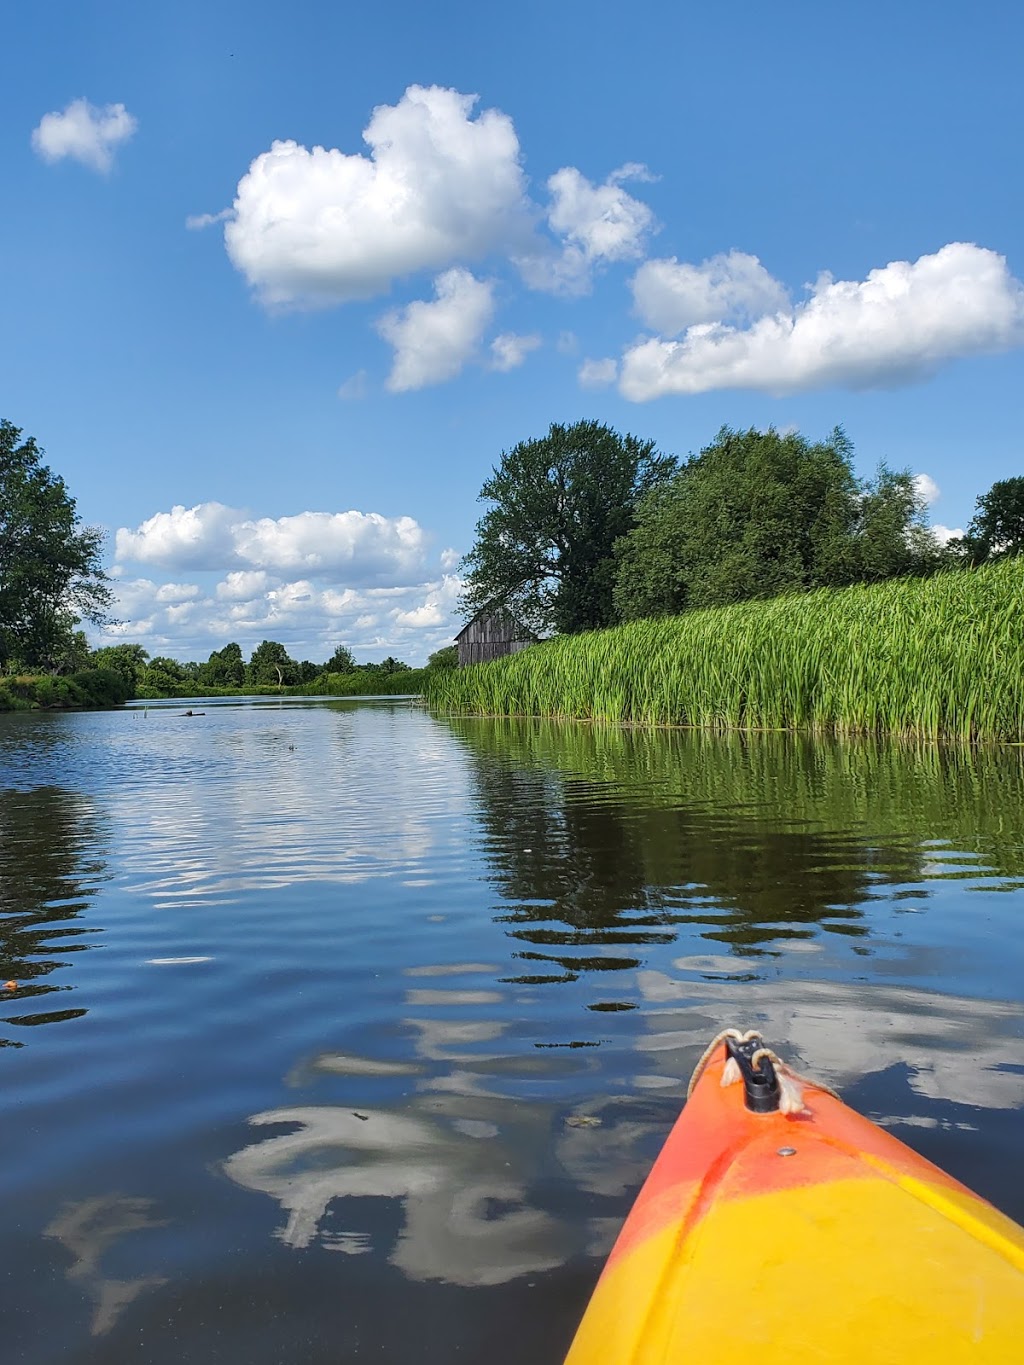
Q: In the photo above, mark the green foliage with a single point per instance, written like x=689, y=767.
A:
x=90, y=687
x=757, y=514
x=128, y=661
x=368, y=682
x=917, y=656
x=997, y=527
x=387, y=666
x=224, y=668
x=72, y=654
x=270, y=664
x=544, y=550
x=448, y=657
x=162, y=677
x=341, y=661
x=50, y=564
x=891, y=538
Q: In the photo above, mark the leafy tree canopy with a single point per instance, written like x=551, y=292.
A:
x=73, y=654
x=387, y=666
x=758, y=513
x=341, y=661
x=545, y=548
x=162, y=674
x=997, y=527
x=448, y=657
x=51, y=576
x=271, y=666
x=127, y=660
x=224, y=668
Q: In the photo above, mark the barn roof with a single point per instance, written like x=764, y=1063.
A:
x=495, y=611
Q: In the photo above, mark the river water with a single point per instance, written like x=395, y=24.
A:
x=342, y=1032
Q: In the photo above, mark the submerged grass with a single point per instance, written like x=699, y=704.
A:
x=942, y=656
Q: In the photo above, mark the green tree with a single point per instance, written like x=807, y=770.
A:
x=997, y=527
x=224, y=668
x=387, y=666
x=545, y=548
x=891, y=535
x=758, y=513
x=128, y=661
x=73, y=655
x=271, y=666
x=341, y=661
x=448, y=657
x=51, y=576
x=162, y=677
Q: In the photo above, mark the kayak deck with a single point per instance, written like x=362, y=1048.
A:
x=765, y=1237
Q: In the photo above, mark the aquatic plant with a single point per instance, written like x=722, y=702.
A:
x=941, y=656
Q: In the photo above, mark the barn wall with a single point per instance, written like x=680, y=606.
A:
x=490, y=637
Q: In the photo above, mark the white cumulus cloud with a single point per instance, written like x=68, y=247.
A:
x=927, y=489
x=197, y=537
x=944, y=534
x=509, y=350
x=364, y=546
x=195, y=222
x=176, y=592
x=242, y=585
x=901, y=323
x=671, y=295
x=308, y=617
x=595, y=224
x=434, y=340
x=439, y=186
x=597, y=374
x=84, y=133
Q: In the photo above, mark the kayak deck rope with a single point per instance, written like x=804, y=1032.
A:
x=791, y=1083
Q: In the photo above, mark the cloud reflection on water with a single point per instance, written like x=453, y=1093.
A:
x=958, y=1049
x=462, y=1183
x=89, y=1229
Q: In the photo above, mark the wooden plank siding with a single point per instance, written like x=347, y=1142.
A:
x=490, y=636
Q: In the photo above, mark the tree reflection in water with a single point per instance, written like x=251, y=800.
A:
x=49, y=868
x=608, y=838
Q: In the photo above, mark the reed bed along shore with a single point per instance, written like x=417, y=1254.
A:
x=933, y=657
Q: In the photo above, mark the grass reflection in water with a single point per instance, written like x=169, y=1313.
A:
x=754, y=838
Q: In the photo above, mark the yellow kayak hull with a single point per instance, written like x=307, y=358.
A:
x=813, y=1237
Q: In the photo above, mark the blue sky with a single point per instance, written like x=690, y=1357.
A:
x=662, y=216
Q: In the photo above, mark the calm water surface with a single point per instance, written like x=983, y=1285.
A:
x=311, y=999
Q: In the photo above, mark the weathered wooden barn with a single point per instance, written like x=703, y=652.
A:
x=491, y=634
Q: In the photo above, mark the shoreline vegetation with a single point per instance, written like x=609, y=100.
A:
x=760, y=584
x=938, y=657
x=86, y=689
x=98, y=688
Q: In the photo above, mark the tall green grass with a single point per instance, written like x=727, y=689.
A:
x=926, y=657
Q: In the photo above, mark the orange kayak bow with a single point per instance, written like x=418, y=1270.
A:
x=777, y=1225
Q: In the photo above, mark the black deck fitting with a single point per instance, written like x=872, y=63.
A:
x=760, y=1083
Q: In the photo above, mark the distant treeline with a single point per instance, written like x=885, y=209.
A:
x=119, y=673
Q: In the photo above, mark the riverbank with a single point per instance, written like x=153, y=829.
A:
x=933, y=657
x=89, y=689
